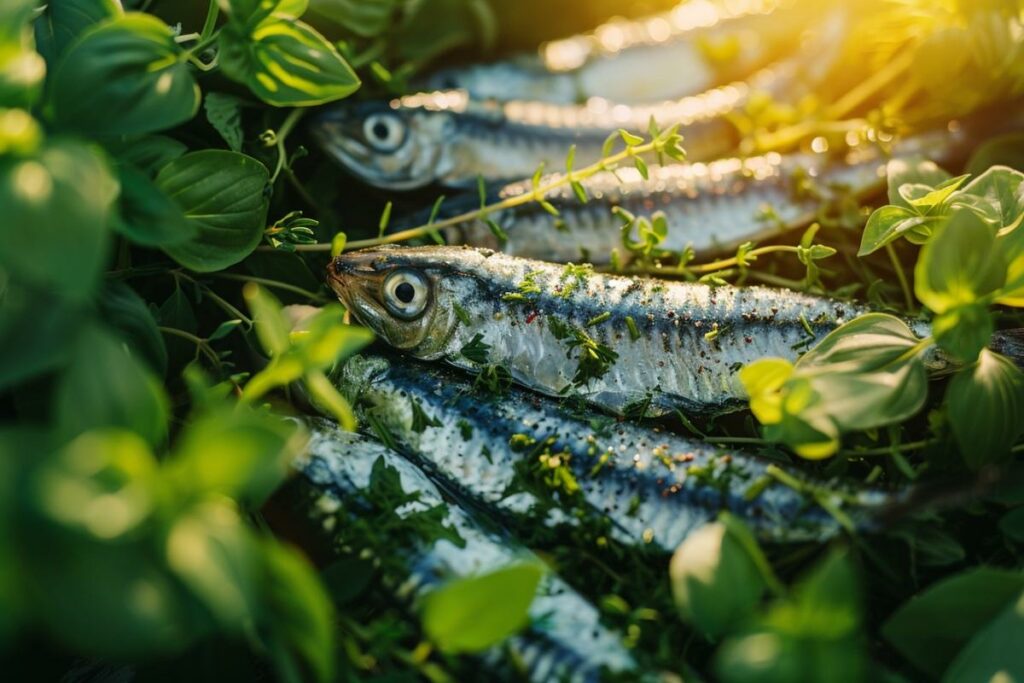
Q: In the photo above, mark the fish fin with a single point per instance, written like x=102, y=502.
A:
x=1010, y=343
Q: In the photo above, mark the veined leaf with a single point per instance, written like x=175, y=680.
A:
x=63, y=21
x=124, y=77
x=986, y=402
x=223, y=194
x=960, y=264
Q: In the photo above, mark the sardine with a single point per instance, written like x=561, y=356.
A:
x=712, y=208
x=654, y=487
x=449, y=139
x=664, y=56
x=615, y=341
x=565, y=640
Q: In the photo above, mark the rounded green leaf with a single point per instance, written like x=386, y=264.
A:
x=931, y=627
x=960, y=264
x=147, y=216
x=472, y=614
x=994, y=653
x=986, y=402
x=55, y=213
x=715, y=581
x=63, y=21
x=22, y=69
x=287, y=64
x=224, y=195
x=124, y=77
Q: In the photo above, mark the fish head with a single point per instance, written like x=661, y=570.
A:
x=385, y=144
x=407, y=296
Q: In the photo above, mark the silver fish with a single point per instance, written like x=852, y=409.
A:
x=652, y=486
x=616, y=341
x=660, y=57
x=447, y=138
x=711, y=208
x=566, y=640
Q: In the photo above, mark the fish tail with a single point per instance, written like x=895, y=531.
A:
x=1010, y=343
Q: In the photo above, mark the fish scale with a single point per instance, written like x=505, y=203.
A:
x=566, y=639
x=652, y=486
x=691, y=338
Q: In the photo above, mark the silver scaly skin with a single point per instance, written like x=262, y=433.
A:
x=686, y=343
x=654, y=487
x=660, y=57
x=449, y=139
x=711, y=207
x=566, y=640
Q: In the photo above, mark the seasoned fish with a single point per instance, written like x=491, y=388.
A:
x=447, y=138
x=653, y=486
x=616, y=341
x=565, y=641
x=697, y=45
x=711, y=207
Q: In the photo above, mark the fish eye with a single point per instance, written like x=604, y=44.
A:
x=406, y=293
x=384, y=131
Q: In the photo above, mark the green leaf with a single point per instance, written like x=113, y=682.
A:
x=925, y=199
x=55, y=216
x=124, y=310
x=960, y=265
x=993, y=654
x=148, y=153
x=240, y=453
x=986, y=402
x=473, y=614
x=272, y=326
x=224, y=112
x=814, y=635
x=298, y=626
x=213, y=553
x=1011, y=245
x=37, y=331
x=715, y=580
x=366, y=18
x=964, y=331
x=224, y=195
x=124, y=77
x=900, y=172
x=286, y=63
x=22, y=69
x=933, y=626
x=1002, y=150
x=887, y=224
x=1002, y=199
x=105, y=386
x=63, y=21
x=101, y=484
x=147, y=215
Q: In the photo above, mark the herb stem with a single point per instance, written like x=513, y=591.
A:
x=606, y=164
x=269, y=283
x=908, y=296
x=200, y=343
x=294, y=116
x=211, y=20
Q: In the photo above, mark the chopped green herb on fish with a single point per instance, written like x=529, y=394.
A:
x=565, y=640
x=543, y=340
x=653, y=486
x=711, y=208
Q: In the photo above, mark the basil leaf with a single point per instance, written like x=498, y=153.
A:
x=63, y=21
x=224, y=195
x=124, y=77
x=147, y=215
x=960, y=264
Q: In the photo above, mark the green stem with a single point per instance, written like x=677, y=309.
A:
x=908, y=295
x=886, y=450
x=200, y=343
x=282, y=134
x=211, y=20
x=269, y=283
x=607, y=164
